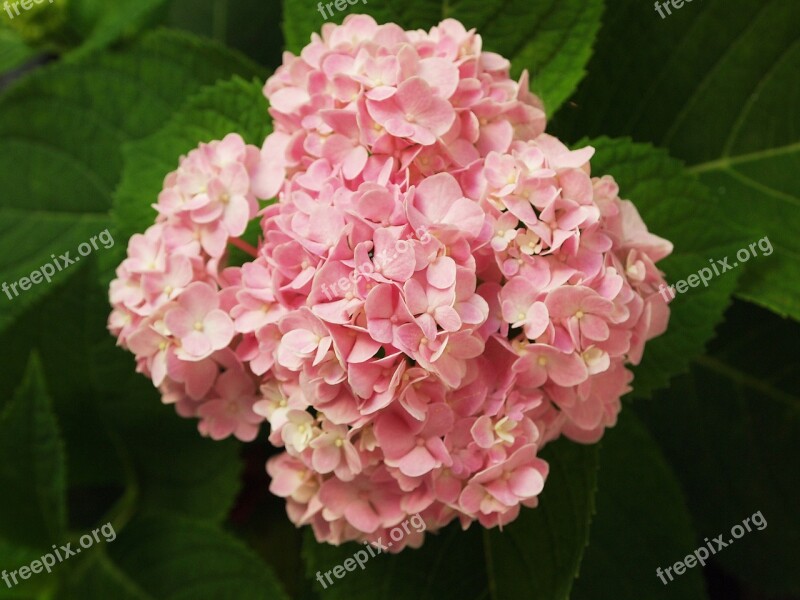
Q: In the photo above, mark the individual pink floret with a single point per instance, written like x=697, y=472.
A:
x=198, y=323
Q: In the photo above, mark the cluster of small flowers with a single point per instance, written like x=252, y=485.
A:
x=441, y=288
x=168, y=305
x=428, y=383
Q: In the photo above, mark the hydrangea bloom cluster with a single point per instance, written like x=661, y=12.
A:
x=440, y=289
x=169, y=307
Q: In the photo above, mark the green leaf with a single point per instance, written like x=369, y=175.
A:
x=66, y=123
x=76, y=28
x=715, y=83
x=301, y=20
x=632, y=535
x=552, y=39
x=105, y=579
x=250, y=26
x=100, y=23
x=168, y=558
x=676, y=206
x=41, y=26
x=32, y=505
x=730, y=429
x=62, y=329
x=233, y=106
x=13, y=556
x=174, y=468
x=260, y=521
x=536, y=557
x=116, y=430
x=13, y=50
x=449, y=565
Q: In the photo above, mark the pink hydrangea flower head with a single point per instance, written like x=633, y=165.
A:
x=439, y=289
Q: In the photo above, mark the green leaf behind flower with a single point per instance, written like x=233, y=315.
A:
x=535, y=557
x=32, y=466
x=675, y=206
x=716, y=84
x=552, y=39
x=731, y=427
x=234, y=106
x=13, y=50
x=642, y=523
x=65, y=126
x=169, y=558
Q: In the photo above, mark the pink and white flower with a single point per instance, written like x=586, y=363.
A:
x=439, y=289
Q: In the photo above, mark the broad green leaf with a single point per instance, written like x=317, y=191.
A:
x=260, y=520
x=730, y=429
x=552, y=39
x=100, y=578
x=450, y=564
x=677, y=207
x=13, y=50
x=716, y=83
x=250, y=26
x=75, y=28
x=175, y=469
x=41, y=26
x=99, y=22
x=13, y=556
x=117, y=432
x=65, y=126
x=233, y=106
x=632, y=535
x=169, y=558
x=62, y=329
x=536, y=557
x=33, y=504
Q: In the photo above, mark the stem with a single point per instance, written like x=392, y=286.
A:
x=244, y=247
